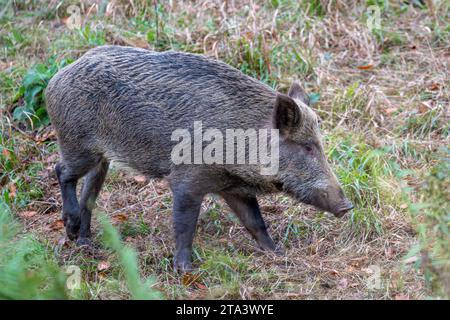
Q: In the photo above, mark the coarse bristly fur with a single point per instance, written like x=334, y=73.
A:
x=120, y=103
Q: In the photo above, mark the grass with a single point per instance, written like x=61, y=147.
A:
x=362, y=171
x=383, y=98
x=432, y=218
x=27, y=268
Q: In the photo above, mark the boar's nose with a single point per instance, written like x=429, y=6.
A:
x=344, y=208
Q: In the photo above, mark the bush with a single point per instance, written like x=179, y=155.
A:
x=32, y=91
x=128, y=260
x=28, y=269
x=432, y=216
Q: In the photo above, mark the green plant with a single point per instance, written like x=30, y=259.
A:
x=432, y=216
x=32, y=91
x=134, y=228
x=432, y=121
x=253, y=57
x=92, y=36
x=28, y=269
x=128, y=260
x=314, y=8
x=362, y=170
x=13, y=39
x=350, y=104
x=225, y=270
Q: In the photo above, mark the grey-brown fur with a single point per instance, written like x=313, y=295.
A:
x=122, y=104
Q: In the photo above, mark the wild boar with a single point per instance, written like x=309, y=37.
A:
x=124, y=104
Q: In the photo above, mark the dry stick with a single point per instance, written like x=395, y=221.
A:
x=155, y=3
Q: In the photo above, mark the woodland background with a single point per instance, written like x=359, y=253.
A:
x=381, y=89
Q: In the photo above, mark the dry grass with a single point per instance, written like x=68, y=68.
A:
x=378, y=91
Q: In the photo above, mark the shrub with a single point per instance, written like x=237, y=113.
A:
x=32, y=91
x=432, y=216
x=28, y=269
x=128, y=260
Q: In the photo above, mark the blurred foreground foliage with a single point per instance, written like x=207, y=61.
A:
x=29, y=269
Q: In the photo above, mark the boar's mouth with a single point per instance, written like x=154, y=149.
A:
x=338, y=212
x=344, y=209
x=331, y=199
x=321, y=203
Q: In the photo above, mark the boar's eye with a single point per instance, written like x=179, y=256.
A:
x=308, y=147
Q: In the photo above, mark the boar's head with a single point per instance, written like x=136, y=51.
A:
x=304, y=171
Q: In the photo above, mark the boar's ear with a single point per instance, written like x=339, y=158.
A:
x=286, y=114
x=297, y=92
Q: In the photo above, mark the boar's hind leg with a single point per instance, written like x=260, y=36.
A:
x=91, y=188
x=186, y=208
x=247, y=210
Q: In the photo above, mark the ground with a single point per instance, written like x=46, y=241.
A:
x=383, y=97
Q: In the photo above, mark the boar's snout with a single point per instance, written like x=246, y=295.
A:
x=333, y=200
x=346, y=207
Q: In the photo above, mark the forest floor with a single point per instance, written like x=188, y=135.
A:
x=383, y=96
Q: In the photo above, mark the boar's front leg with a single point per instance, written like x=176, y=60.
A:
x=186, y=208
x=247, y=210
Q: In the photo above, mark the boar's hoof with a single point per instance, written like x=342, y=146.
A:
x=271, y=248
x=182, y=262
x=72, y=228
x=84, y=242
x=182, y=267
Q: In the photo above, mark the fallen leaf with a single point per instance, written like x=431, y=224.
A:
x=434, y=86
x=27, y=214
x=425, y=106
x=199, y=285
x=119, y=218
x=334, y=272
x=365, y=67
x=5, y=65
x=140, y=179
x=57, y=225
x=189, y=278
x=403, y=206
x=103, y=265
x=12, y=190
x=6, y=154
x=45, y=136
x=401, y=297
